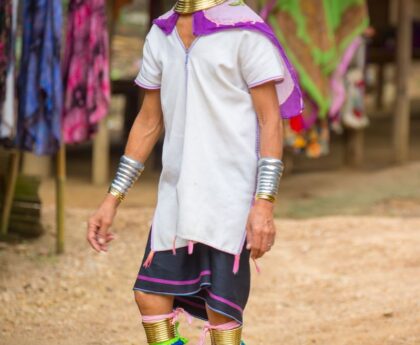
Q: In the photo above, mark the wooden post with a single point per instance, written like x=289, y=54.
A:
x=354, y=154
x=401, y=128
x=9, y=192
x=60, y=181
x=380, y=86
x=100, y=161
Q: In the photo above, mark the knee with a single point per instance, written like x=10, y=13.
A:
x=153, y=304
x=140, y=298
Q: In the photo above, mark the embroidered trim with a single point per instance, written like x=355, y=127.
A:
x=175, y=282
x=224, y=300
x=144, y=86
x=277, y=79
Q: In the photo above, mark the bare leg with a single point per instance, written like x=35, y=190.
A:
x=156, y=311
x=152, y=304
x=223, y=329
x=217, y=319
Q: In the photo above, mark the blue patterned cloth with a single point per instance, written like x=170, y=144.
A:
x=40, y=81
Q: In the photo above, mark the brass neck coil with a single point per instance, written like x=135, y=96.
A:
x=191, y=6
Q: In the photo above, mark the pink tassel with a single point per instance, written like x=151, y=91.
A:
x=190, y=247
x=173, y=246
x=154, y=318
x=175, y=315
x=149, y=259
x=236, y=263
x=180, y=311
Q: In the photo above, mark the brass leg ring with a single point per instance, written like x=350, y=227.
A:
x=157, y=332
x=226, y=337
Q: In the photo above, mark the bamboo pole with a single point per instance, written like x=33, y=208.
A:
x=354, y=144
x=401, y=126
x=10, y=191
x=60, y=181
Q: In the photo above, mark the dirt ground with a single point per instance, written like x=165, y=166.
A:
x=345, y=268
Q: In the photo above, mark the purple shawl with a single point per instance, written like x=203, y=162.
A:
x=236, y=15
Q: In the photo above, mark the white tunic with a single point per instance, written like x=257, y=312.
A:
x=210, y=148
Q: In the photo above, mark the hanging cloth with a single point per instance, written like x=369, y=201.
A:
x=315, y=34
x=86, y=70
x=8, y=20
x=5, y=44
x=39, y=84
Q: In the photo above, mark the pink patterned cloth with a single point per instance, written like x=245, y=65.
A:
x=337, y=80
x=86, y=70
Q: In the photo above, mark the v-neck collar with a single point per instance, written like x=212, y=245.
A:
x=181, y=42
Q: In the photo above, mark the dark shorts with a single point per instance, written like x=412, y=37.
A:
x=203, y=277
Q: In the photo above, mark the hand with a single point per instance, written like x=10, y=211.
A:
x=260, y=228
x=99, y=223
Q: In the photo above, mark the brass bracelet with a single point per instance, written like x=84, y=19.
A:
x=267, y=197
x=116, y=193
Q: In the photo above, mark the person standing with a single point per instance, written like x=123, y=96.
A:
x=215, y=79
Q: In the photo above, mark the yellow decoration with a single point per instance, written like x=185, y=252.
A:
x=160, y=331
x=226, y=337
x=191, y=6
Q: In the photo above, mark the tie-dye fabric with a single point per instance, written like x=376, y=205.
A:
x=315, y=34
x=40, y=84
x=86, y=66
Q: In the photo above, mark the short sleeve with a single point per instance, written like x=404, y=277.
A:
x=260, y=60
x=150, y=73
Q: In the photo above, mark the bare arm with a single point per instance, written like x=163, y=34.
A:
x=147, y=127
x=270, y=124
x=260, y=228
x=144, y=134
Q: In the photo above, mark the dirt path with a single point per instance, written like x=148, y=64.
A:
x=391, y=192
x=331, y=281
